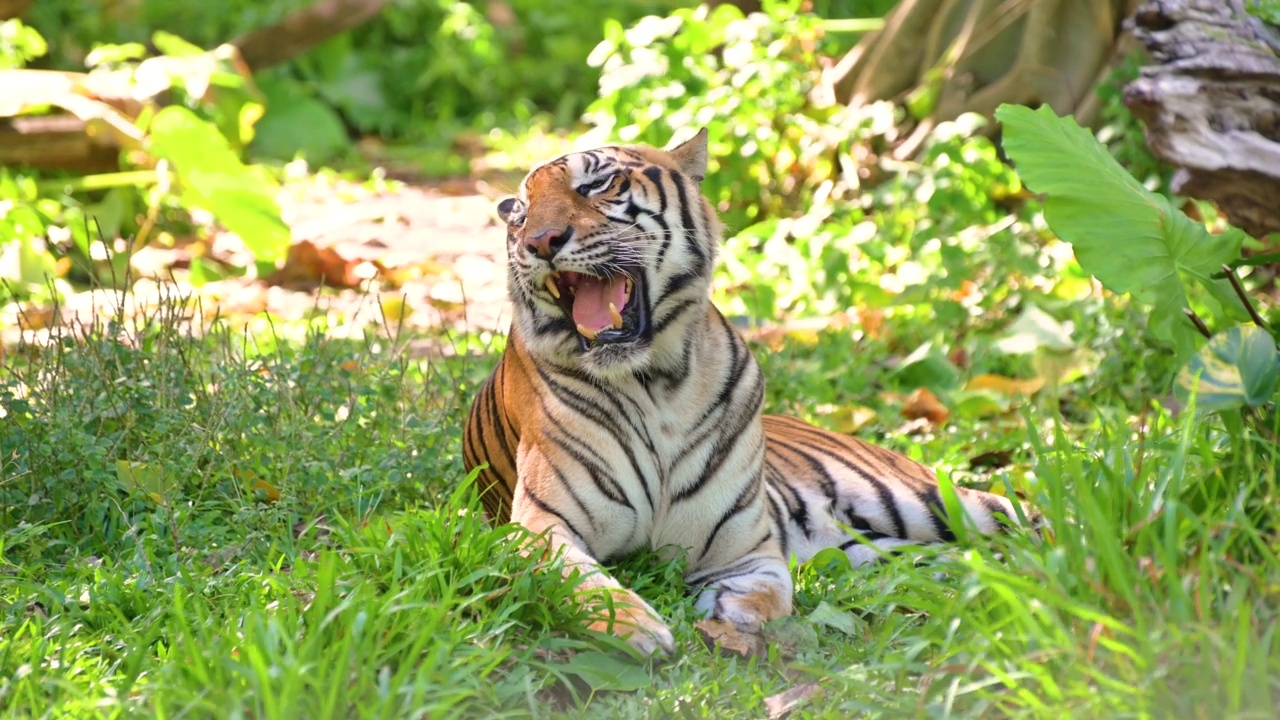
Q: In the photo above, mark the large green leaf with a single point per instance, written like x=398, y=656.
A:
x=1133, y=240
x=212, y=177
x=1237, y=368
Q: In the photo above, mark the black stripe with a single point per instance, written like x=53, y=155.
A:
x=740, y=503
x=828, y=483
x=883, y=491
x=544, y=507
x=744, y=566
x=932, y=500
x=797, y=513
x=729, y=440
x=686, y=219
x=672, y=314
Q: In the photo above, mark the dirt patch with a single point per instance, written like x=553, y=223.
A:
x=391, y=258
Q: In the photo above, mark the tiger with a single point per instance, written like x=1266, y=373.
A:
x=625, y=412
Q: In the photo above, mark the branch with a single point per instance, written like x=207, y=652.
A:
x=304, y=29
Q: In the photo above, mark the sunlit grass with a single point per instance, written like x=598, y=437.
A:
x=292, y=542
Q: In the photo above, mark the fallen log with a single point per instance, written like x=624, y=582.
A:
x=55, y=142
x=1210, y=102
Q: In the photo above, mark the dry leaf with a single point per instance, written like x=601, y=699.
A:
x=784, y=702
x=255, y=484
x=923, y=404
x=729, y=639
x=851, y=419
x=309, y=264
x=872, y=322
x=1006, y=386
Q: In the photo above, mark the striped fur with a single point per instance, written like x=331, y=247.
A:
x=658, y=441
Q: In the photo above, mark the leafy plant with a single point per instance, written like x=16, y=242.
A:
x=19, y=44
x=1267, y=10
x=184, y=155
x=705, y=66
x=1133, y=240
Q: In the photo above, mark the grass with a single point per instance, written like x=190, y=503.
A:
x=237, y=525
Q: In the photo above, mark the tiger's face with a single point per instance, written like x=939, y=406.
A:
x=610, y=254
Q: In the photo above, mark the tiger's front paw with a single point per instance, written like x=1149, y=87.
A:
x=633, y=620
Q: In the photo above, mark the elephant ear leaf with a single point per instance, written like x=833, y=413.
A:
x=1133, y=240
x=1238, y=368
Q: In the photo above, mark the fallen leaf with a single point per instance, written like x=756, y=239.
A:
x=1036, y=329
x=1005, y=385
x=923, y=404
x=257, y=484
x=728, y=639
x=872, y=322
x=979, y=403
x=35, y=317
x=783, y=703
x=849, y=420
x=308, y=264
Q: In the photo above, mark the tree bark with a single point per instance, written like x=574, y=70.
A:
x=1211, y=104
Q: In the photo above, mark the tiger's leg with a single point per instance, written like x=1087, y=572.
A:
x=748, y=593
x=621, y=611
x=738, y=597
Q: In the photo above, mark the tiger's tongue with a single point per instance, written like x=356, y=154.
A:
x=591, y=300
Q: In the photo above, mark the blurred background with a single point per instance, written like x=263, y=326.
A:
x=262, y=151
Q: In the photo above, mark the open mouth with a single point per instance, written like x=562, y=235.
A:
x=605, y=310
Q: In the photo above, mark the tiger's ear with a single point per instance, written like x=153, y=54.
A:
x=691, y=156
x=505, y=206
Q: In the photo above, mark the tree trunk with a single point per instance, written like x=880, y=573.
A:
x=949, y=57
x=1211, y=105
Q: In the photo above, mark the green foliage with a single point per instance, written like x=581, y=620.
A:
x=746, y=77
x=19, y=44
x=189, y=157
x=1122, y=133
x=212, y=177
x=216, y=525
x=1133, y=240
x=1266, y=10
x=1238, y=368
x=418, y=67
x=423, y=64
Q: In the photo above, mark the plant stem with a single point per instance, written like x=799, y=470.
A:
x=103, y=181
x=1244, y=298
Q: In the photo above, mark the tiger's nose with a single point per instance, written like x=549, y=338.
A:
x=548, y=242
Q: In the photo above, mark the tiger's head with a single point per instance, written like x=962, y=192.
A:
x=610, y=255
